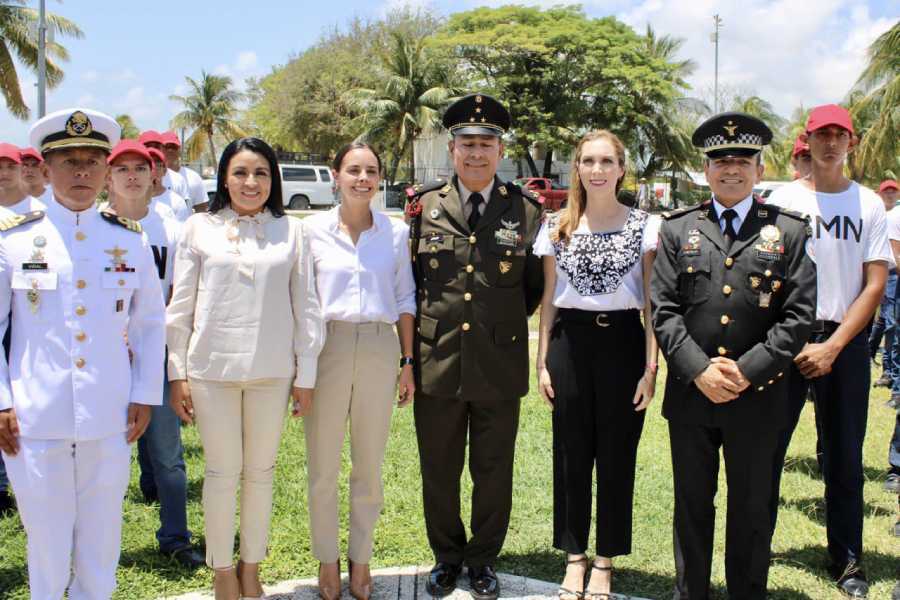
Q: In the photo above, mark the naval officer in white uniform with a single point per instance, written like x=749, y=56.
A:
x=76, y=391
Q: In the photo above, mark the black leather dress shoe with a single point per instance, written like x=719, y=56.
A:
x=442, y=579
x=484, y=582
x=851, y=580
x=187, y=557
x=7, y=504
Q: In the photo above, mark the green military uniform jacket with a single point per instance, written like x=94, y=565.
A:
x=754, y=304
x=475, y=290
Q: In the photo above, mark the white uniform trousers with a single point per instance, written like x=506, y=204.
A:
x=70, y=500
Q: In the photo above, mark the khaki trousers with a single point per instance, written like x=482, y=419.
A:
x=357, y=378
x=240, y=426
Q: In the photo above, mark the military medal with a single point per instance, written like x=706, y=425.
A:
x=755, y=281
x=40, y=241
x=433, y=263
x=505, y=266
x=506, y=237
x=776, y=285
x=765, y=298
x=34, y=297
x=770, y=248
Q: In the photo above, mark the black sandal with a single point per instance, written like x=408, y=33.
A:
x=600, y=595
x=564, y=593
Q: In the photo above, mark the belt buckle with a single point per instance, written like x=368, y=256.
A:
x=597, y=321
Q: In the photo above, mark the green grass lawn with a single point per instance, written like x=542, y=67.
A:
x=799, y=561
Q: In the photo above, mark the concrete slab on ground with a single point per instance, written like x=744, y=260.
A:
x=406, y=583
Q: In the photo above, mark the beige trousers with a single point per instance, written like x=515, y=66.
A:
x=357, y=378
x=240, y=426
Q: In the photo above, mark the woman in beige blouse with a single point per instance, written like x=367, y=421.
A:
x=244, y=331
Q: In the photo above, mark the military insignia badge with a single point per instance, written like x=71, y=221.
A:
x=771, y=247
x=506, y=237
x=692, y=247
x=433, y=263
x=119, y=265
x=765, y=299
x=34, y=297
x=502, y=188
x=79, y=125
x=505, y=266
x=730, y=129
x=435, y=213
x=755, y=281
x=776, y=285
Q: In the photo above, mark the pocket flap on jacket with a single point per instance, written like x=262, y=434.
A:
x=427, y=327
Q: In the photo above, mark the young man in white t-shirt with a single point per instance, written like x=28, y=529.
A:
x=170, y=179
x=14, y=199
x=850, y=246
x=173, y=200
x=171, y=148
x=34, y=172
x=160, y=453
x=884, y=325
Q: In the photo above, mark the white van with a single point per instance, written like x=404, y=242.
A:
x=302, y=186
x=306, y=186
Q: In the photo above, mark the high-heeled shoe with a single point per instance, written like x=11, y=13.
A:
x=364, y=591
x=226, y=585
x=259, y=593
x=328, y=593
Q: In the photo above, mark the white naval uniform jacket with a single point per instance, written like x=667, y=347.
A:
x=69, y=375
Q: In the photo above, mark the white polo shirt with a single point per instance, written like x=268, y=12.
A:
x=849, y=229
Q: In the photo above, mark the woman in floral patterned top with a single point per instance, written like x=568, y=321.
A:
x=596, y=363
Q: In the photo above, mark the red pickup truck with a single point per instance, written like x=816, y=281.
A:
x=554, y=194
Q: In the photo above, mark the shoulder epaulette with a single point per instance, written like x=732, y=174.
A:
x=13, y=221
x=423, y=188
x=679, y=212
x=129, y=224
x=529, y=195
x=790, y=213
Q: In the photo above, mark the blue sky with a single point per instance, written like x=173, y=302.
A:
x=135, y=54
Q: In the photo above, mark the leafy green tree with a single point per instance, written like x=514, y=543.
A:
x=301, y=106
x=561, y=73
x=777, y=163
x=415, y=88
x=130, y=131
x=19, y=39
x=210, y=108
x=875, y=106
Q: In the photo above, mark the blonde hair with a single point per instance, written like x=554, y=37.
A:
x=569, y=216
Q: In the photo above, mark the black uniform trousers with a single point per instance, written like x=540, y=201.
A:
x=748, y=454
x=442, y=426
x=595, y=361
x=842, y=409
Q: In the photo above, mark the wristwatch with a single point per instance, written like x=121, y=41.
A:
x=407, y=360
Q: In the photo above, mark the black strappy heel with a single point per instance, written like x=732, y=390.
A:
x=565, y=593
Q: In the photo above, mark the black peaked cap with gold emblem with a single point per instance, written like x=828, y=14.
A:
x=477, y=114
x=731, y=134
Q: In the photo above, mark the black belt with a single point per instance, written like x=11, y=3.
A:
x=600, y=318
x=828, y=327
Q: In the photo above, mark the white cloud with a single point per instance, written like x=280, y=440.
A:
x=781, y=50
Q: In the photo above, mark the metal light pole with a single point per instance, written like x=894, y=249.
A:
x=715, y=39
x=42, y=61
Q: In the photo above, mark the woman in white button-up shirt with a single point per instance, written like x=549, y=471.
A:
x=244, y=331
x=365, y=283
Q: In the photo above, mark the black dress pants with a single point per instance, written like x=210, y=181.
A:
x=842, y=408
x=748, y=453
x=595, y=361
x=442, y=426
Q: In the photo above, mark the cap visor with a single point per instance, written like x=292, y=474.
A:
x=836, y=123
x=725, y=152
x=476, y=130
x=76, y=143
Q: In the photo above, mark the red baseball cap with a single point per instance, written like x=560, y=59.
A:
x=150, y=137
x=888, y=184
x=31, y=153
x=170, y=137
x=156, y=154
x=129, y=147
x=799, y=148
x=829, y=114
x=11, y=152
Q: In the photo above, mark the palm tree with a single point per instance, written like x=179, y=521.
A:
x=210, y=108
x=875, y=106
x=416, y=87
x=130, y=131
x=776, y=161
x=18, y=38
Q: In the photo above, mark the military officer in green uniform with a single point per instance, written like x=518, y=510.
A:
x=734, y=295
x=477, y=283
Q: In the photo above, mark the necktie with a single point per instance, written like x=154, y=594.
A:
x=729, y=215
x=475, y=199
